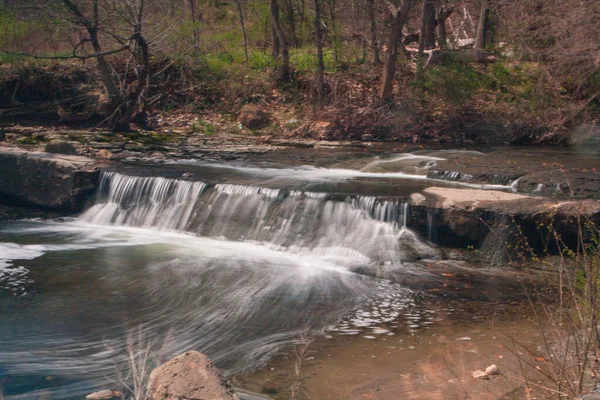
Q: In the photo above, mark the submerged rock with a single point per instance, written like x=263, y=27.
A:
x=190, y=375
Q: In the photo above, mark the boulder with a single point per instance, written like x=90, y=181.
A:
x=50, y=181
x=253, y=117
x=190, y=375
x=57, y=146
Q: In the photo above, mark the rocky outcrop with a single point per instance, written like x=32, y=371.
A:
x=496, y=220
x=45, y=180
x=190, y=375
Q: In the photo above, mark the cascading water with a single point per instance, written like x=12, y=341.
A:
x=145, y=202
x=234, y=271
x=363, y=226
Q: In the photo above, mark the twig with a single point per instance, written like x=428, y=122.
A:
x=538, y=385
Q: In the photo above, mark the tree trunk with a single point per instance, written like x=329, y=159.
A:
x=133, y=101
x=442, y=14
x=194, y=19
x=333, y=30
x=428, y=25
x=274, y=16
x=302, y=17
x=291, y=22
x=243, y=25
x=91, y=25
x=487, y=27
x=284, y=69
x=373, y=28
x=391, y=58
x=320, y=73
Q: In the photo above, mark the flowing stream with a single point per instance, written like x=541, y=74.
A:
x=233, y=270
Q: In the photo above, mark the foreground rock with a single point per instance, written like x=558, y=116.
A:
x=190, y=375
x=51, y=181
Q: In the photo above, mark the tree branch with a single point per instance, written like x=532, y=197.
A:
x=69, y=57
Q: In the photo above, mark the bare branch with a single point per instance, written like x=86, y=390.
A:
x=69, y=57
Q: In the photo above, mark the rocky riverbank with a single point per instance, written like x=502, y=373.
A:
x=46, y=180
x=505, y=226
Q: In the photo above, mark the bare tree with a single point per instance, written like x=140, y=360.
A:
x=195, y=18
x=291, y=20
x=92, y=25
x=487, y=26
x=373, y=29
x=284, y=69
x=125, y=100
x=428, y=25
x=399, y=15
x=320, y=73
x=334, y=35
x=442, y=13
x=240, y=10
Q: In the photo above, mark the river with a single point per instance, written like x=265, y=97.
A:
x=232, y=259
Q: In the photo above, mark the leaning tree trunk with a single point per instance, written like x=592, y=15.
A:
x=393, y=45
x=284, y=68
x=428, y=25
x=373, y=28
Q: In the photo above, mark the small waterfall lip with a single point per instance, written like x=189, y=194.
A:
x=312, y=174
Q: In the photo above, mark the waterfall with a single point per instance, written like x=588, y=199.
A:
x=333, y=225
x=144, y=202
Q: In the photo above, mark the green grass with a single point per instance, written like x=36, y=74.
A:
x=204, y=128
